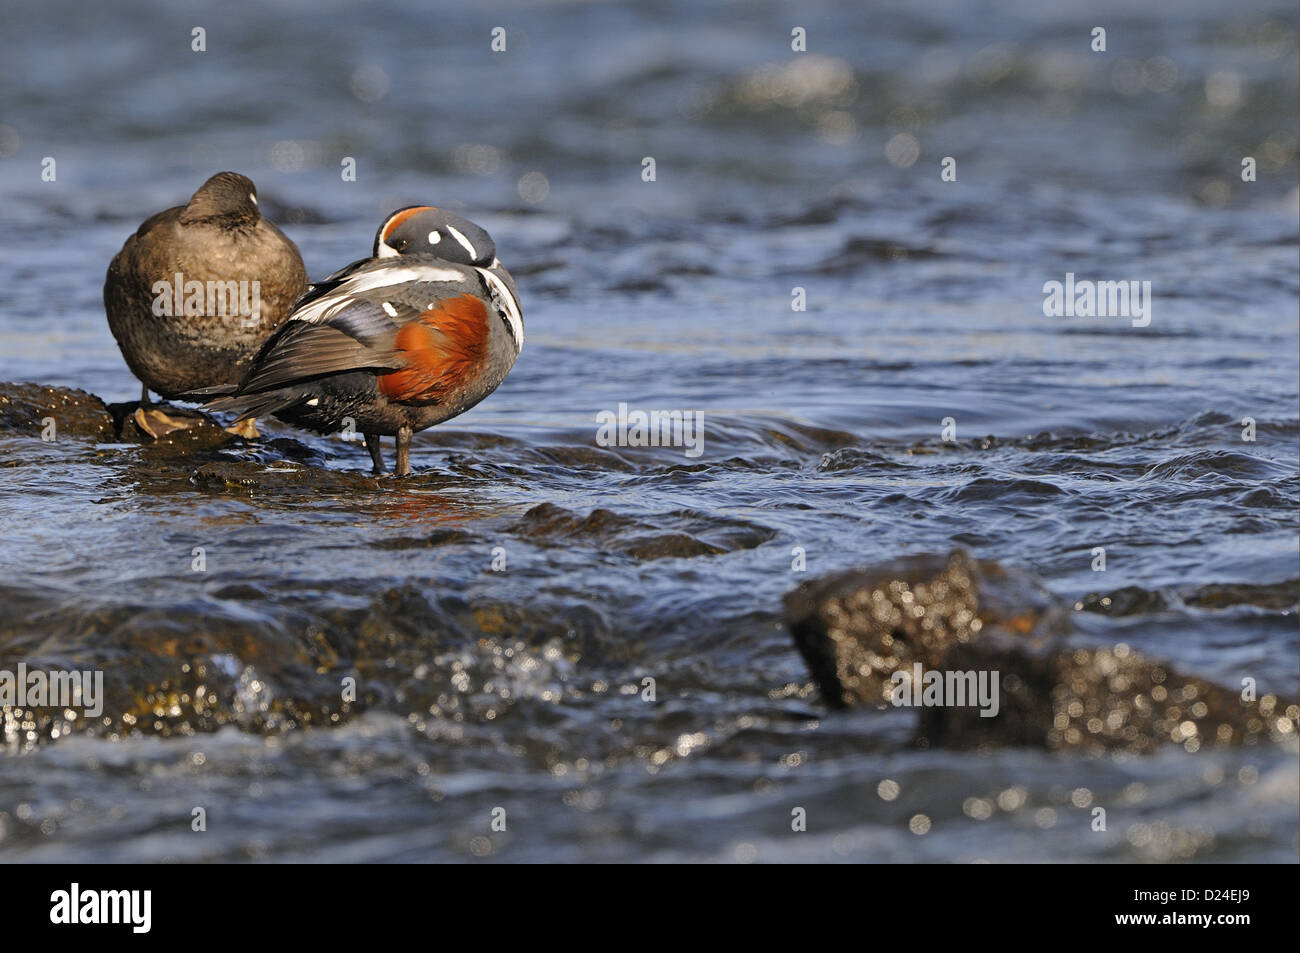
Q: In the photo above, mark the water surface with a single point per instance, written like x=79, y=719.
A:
x=523, y=688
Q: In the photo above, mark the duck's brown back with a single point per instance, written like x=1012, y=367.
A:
x=176, y=343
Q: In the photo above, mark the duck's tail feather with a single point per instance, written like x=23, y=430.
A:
x=261, y=404
x=201, y=395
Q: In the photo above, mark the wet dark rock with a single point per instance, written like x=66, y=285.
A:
x=242, y=592
x=1276, y=596
x=1013, y=600
x=546, y=520
x=24, y=408
x=1050, y=441
x=247, y=475
x=668, y=546
x=951, y=614
x=806, y=438
x=931, y=447
x=1094, y=699
x=856, y=458
x=185, y=669
x=1134, y=600
x=854, y=629
x=575, y=631
x=271, y=450
x=1130, y=600
x=728, y=535
x=412, y=650
x=1003, y=491
x=589, y=457
x=174, y=432
x=440, y=537
x=681, y=534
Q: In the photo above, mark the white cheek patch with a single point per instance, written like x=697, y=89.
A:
x=434, y=238
x=252, y=198
x=463, y=241
x=387, y=251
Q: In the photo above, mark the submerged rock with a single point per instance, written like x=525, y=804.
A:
x=869, y=635
x=681, y=534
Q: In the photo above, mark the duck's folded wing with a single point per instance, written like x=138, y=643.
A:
x=419, y=343
x=358, y=336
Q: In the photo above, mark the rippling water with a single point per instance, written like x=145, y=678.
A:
x=522, y=688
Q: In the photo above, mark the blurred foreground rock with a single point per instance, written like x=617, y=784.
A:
x=949, y=615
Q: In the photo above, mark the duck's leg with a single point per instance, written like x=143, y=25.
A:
x=144, y=395
x=376, y=451
x=404, y=451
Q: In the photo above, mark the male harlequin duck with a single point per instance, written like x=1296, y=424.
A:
x=199, y=288
x=418, y=333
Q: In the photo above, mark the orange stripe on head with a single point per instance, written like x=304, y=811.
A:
x=399, y=217
x=441, y=348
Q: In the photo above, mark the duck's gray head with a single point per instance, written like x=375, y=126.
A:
x=427, y=230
